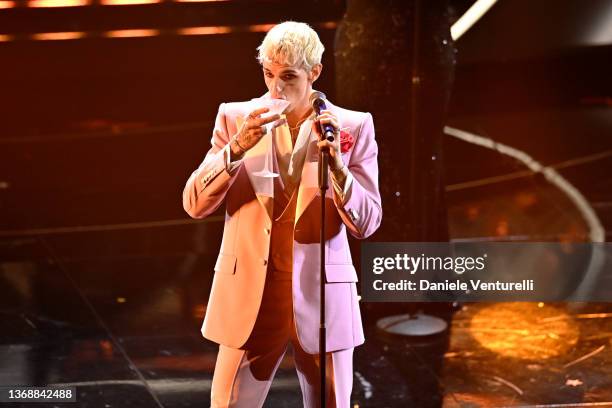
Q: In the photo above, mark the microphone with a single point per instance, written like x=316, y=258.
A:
x=317, y=100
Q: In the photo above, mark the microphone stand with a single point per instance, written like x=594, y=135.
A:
x=323, y=186
x=317, y=100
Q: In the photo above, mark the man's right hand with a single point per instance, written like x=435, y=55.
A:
x=250, y=132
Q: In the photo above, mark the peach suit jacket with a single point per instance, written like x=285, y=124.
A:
x=240, y=270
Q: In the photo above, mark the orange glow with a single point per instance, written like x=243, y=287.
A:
x=502, y=228
x=473, y=212
x=524, y=330
x=131, y=33
x=525, y=199
x=107, y=348
x=58, y=3
x=204, y=30
x=7, y=4
x=74, y=35
x=127, y=2
x=199, y=311
x=260, y=28
x=330, y=25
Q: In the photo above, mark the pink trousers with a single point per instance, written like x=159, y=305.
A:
x=243, y=376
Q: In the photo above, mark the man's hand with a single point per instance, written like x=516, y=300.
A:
x=326, y=117
x=251, y=131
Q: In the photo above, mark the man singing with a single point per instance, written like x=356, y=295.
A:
x=265, y=292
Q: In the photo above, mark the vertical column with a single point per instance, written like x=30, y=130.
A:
x=396, y=59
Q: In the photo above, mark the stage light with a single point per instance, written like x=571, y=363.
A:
x=127, y=2
x=474, y=13
x=135, y=33
x=199, y=1
x=58, y=3
x=72, y=35
x=330, y=25
x=7, y=4
x=131, y=33
x=204, y=30
x=260, y=28
x=599, y=29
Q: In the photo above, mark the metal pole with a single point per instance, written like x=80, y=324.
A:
x=323, y=185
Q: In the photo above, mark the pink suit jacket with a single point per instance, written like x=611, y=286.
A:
x=241, y=266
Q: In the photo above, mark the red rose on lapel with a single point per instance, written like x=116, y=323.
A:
x=346, y=141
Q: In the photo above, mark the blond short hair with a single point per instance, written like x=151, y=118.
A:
x=291, y=43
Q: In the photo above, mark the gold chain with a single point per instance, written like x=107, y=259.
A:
x=298, y=124
x=294, y=130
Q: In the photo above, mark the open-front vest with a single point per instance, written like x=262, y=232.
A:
x=281, y=242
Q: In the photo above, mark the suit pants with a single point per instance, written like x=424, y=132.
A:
x=243, y=376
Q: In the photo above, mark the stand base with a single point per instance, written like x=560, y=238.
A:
x=411, y=325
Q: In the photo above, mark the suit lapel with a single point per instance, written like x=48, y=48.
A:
x=258, y=163
x=259, y=168
x=304, y=161
x=309, y=181
x=259, y=160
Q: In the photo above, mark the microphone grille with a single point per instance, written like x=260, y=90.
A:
x=316, y=95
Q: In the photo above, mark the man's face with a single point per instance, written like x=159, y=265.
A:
x=289, y=82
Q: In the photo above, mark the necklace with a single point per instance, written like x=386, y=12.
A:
x=294, y=130
x=297, y=126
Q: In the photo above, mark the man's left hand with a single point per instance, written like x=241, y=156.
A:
x=326, y=117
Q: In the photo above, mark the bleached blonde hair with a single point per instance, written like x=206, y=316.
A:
x=291, y=43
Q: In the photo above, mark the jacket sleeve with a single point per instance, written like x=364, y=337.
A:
x=208, y=184
x=361, y=209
